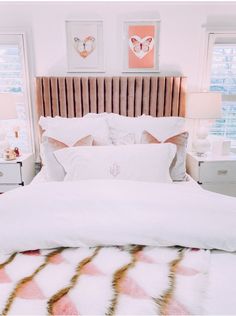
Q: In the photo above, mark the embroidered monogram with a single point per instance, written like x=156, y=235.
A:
x=115, y=170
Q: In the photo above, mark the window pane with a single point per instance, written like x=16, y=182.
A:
x=11, y=68
x=12, y=80
x=223, y=79
x=226, y=126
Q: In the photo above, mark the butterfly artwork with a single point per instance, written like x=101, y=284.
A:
x=142, y=46
x=84, y=47
x=85, y=51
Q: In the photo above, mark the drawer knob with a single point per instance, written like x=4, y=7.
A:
x=222, y=172
x=1, y=174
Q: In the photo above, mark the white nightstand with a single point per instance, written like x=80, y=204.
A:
x=17, y=172
x=214, y=173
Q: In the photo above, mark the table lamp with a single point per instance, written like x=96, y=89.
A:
x=7, y=112
x=203, y=106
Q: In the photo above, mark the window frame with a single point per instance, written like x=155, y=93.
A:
x=211, y=34
x=22, y=36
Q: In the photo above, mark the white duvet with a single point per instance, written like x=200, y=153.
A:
x=110, y=212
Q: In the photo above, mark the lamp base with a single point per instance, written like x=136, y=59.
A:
x=201, y=144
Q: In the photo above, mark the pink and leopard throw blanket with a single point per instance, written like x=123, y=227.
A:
x=104, y=281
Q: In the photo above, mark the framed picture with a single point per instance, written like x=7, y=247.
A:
x=141, y=46
x=85, y=46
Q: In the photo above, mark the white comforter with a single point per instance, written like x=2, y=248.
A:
x=104, y=212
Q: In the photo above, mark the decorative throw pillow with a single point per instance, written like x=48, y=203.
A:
x=54, y=170
x=178, y=165
x=131, y=162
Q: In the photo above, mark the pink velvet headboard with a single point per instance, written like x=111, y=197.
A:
x=131, y=96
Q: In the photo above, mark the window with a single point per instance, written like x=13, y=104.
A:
x=13, y=79
x=222, y=69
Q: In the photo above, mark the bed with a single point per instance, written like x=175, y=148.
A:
x=101, y=232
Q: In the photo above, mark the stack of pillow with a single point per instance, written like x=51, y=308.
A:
x=91, y=148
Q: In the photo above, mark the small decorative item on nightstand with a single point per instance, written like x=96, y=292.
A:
x=17, y=151
x=9, y=154
x=202, y=106
x=214, y=173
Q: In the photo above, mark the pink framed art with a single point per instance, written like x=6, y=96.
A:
x=141, y=46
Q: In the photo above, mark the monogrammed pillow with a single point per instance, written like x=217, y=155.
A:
x=54, y=170
x=131, y=162
x=178, y=165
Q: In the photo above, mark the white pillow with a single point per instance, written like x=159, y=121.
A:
x=128, y=130
x=149, y=163
x=69, y=130
x=118, y=136
x=98, y=115
x=160, y=127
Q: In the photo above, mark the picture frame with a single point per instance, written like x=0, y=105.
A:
x=141, y=45
x=85, y=47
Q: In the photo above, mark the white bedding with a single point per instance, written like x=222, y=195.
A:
x=112, y=212
x=96, y=213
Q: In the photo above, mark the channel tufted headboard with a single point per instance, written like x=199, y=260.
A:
x=130, y=96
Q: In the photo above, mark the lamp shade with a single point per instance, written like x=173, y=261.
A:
x=7, y=106
x=203, y=105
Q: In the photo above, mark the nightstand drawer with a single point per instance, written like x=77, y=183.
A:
x=216, y=172
x=10, y=173
x=222, y=188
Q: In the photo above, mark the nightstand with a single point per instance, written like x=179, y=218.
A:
x=214, y=173
x=16, y=172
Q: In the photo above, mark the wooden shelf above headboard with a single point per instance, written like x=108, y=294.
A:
x=130, y=96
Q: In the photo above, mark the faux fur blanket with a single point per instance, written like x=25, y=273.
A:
x=104, y=281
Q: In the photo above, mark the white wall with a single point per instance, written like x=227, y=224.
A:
x=181, y=38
